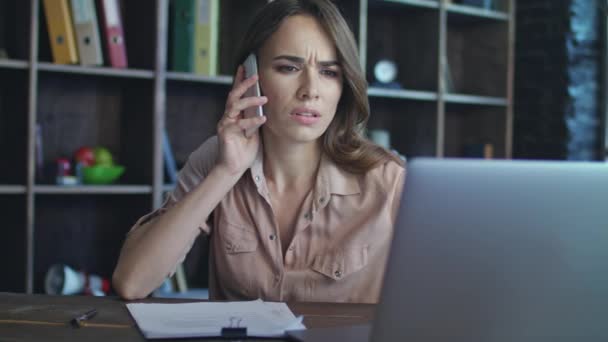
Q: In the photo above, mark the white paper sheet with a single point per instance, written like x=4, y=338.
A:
x=206, y=319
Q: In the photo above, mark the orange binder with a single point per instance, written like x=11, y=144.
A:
x=87, y=32
x=61, y=32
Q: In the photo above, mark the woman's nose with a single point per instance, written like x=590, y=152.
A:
x=309, y=89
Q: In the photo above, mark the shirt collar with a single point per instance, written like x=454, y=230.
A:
x=336, y=180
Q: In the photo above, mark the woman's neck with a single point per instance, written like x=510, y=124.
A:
x=291, y=166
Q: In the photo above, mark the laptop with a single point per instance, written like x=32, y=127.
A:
x=498, y=251
x=494, y=251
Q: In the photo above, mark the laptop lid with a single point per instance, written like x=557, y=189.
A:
x=498, y=251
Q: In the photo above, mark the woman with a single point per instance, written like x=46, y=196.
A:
x=303, y=209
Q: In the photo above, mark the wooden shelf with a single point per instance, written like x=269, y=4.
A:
x=13, y=64
x=402, y=94
x=93, y=190
x=188, y=77
x=125, y=110
x=476, y=100
x=471, y=11
x=12, y=189
x=98, y=71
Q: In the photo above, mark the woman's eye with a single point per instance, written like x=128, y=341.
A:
x=330, y=73
x=287, y=68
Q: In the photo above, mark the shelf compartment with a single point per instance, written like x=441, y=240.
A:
x=93, y=190
x=192, y=114
x=477, y=58
x=12, y=189
x=412, y=127
x=469, y=127
x=86, y=237
x=76, y=110
x=139, y=27
x=15, y=31
x=96, y=71
x=235, y=16
x=12, y=244
x=13, y=126
x=402, y=94
x=409, y=39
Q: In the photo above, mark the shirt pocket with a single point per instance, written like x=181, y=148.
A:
x=236, y=239
x=236, y=260
x=339, y=264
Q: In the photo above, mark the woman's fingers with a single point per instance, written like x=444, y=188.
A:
x=238, y=125
x=248, y=102
x=234, y=102
x=240, y=87
x=234, y=109
x=250, y=124
x=232, y=122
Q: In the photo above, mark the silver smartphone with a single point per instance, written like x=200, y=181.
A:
x=251, y=68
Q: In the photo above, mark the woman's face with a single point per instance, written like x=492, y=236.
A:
x=300, y=75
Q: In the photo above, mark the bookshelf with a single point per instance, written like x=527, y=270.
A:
x=127, y=110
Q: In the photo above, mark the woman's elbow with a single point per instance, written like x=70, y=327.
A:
x=126, y=288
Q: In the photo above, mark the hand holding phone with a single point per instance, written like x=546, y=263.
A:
x=251, y=68
x=237, y=138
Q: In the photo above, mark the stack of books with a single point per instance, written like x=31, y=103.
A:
x=194, y=36
x=78, y=37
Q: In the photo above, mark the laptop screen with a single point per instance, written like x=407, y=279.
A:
x=488, y=250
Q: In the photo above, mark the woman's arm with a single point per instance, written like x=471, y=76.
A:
x=152, y=250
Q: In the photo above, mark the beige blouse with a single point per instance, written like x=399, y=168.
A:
x=340, y=243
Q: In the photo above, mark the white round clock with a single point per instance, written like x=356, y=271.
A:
x=385, y=71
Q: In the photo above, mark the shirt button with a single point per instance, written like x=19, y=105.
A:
x=271, y=237
x=322, y=199
x=338, y=274
x=308, y=216
x=257, y=178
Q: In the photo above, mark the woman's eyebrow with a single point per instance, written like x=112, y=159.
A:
x=300, y=60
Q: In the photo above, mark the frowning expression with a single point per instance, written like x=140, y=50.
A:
x=301, y=76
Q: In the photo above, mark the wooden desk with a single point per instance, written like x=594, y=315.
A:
x=46, y=318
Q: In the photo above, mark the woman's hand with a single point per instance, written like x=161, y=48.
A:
x=236, y=150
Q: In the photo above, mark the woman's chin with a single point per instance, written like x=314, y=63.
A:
x=294, y=133
x=304, y=134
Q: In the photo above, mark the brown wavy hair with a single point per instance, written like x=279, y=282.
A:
x=344, y=141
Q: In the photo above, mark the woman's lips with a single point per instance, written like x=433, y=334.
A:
x=306, y=116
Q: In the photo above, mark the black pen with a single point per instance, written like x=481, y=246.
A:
x=77, y=321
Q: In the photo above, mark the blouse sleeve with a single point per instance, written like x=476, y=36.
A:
x=199, y=164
